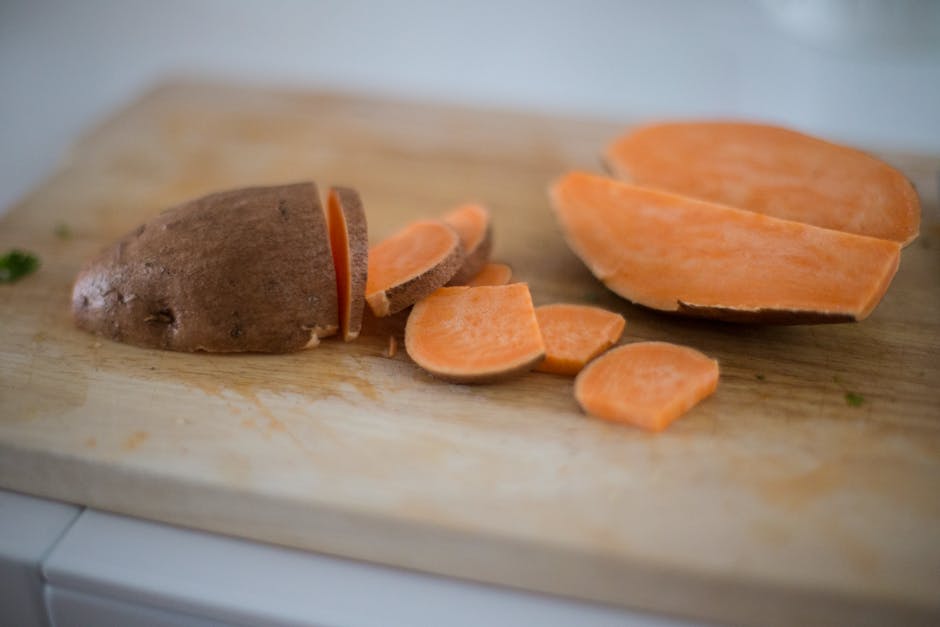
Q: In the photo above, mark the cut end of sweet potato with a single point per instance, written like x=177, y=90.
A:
x=475, y=334
x=647, y=384
x=492, y=274
x=349, y=243
x=240, y=270
x=473, y=225
x=773, y=171
x=410, y=265
x=575, y=334
x=680, y=254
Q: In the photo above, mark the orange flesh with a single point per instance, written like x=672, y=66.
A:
x=492, y=274
x=408, y=253
x=648, y=384
x=339, y=245
x=475, y=333
x=470, y=221
x=575, y=334
x=657, y=249
x=773, y=171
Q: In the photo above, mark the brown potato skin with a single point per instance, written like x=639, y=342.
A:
x=406, y=294
x=241, y=270
x=474, y=260
x=763, y=316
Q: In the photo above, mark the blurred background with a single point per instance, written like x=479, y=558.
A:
x=863, y=72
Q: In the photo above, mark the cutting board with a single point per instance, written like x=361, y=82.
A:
x=776, y=501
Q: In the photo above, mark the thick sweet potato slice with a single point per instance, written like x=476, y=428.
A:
x=241, y=270
x=411, y=264
x=475, y=334
x=676, y=253
x=773, y=171
x=472, y=223
x=349, y=242
x=492, y=274
x=575, y=334
x=647, y=384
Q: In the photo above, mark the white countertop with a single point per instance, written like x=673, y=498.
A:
x=862, y=72
x=76, y=566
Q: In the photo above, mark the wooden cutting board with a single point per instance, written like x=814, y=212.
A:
x=775, y=501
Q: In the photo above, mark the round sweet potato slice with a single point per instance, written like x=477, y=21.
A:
x=475, y=334
x=349, y=241
x=646, y=384
x=241, y=270
x=410, y=264
x=473, y=225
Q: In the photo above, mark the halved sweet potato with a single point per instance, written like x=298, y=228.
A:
x=475, y=334
x=242, y=270
x=771, y=170
x=411, y=264
x=472, y=223
x=680, y=254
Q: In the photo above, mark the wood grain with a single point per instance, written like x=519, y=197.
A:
x=774, y=502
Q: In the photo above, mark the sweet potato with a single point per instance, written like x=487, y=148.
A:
x=492, y=274
x=647, y=384
x=680, y=254
x=475, y=334
x=411, y=264
x=771, y=170
x=472, y=223
x=241, y=270
x=575, y=334
x=349, y=242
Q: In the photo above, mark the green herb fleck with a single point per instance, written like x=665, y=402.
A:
x=853, y=399
x=592, y=297
x=759, y=377
x=62, y=230
x=16, y=264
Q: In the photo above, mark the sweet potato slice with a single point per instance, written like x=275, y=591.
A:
x=349, y=242
x=475, y=334
x=492, y=274
x=411, y=264
x=241, y=270
x=472, y=223
x=575, y=334
x=773, y=171
x=647, y=384
x=680, y=254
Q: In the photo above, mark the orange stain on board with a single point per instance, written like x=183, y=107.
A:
x=91, y=442
x=135, y=439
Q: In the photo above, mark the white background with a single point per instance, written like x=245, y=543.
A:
x=862, y=71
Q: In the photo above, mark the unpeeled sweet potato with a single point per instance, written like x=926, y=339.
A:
x=242, y=270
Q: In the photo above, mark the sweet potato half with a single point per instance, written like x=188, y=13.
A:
x=680, y=254
x=242, y=270
x=771, y=170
